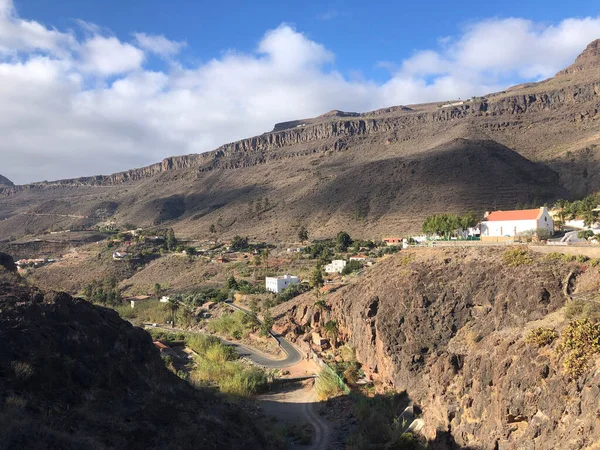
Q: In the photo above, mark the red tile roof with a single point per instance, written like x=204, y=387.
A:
x=522, y=214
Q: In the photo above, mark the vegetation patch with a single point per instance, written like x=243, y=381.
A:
x=541, y=337
x=233, y=326
x=517, y=256
x=580, y=341
x=329, y=384
x=581, y=309
x=379, y=423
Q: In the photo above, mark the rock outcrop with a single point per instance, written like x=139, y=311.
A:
x=76, y=375
x=449, y=327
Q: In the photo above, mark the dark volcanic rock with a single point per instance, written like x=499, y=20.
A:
x=77, y=376
x=7, y=262
x=449, y=327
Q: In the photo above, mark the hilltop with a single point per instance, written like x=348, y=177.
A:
x=370, y=173
x=5, y=182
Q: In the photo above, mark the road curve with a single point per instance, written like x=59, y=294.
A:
x=293, y=355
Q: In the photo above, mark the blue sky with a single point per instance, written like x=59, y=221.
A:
x=95, y=87
x=361, y=34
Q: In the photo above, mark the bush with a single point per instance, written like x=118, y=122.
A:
x=580, y=340
x=233, y=326
x=554, y=256
x=541, y=336
x=329, y=384
x=218, y=365
x=580, y=309
x=594, y=262
x=517, y=256
x=569, y=258
x=290, y=292
x=582, y=258
x=352, y=266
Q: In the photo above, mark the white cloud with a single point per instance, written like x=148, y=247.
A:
x=73, y=107
x=159, y=45
x=109, y=56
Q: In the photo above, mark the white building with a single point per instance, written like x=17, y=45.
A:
x=335, y=266
x=278, y=284
x=506, y=225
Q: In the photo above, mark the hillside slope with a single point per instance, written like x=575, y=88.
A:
x=76, y=376
x=449, y=327
x=303, y=171
x=5, y=182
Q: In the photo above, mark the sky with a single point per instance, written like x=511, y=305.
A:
x=90, y=88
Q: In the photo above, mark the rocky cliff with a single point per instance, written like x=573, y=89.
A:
x=449, y=327
x=76, y=376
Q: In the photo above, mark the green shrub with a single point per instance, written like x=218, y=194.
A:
x=329, y=384
x=594, y=262
x=569, y=258
x=582, y=258
x=581, y=309
x=541, y=336
x=233, y=326
x=580, y=340
x=554, y=256
x=517, y=256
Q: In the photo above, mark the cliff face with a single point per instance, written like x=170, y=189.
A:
x=5, y=182
x=449, y=327
x=77, y=376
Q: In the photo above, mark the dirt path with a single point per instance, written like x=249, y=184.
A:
x=296, y=404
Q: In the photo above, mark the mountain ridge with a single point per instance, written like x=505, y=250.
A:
x=552, y=125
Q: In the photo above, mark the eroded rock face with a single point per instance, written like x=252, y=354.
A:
x=448, y=327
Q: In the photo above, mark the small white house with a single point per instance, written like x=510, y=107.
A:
x=278, y=284
x=164, y=299
x=506, y=225
x=119, y=255
x=335, y=266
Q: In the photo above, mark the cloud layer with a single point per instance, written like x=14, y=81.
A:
x=73, y=106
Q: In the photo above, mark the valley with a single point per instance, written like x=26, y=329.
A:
x=330, y=284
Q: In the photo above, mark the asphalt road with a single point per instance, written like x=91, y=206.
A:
x=293, y=355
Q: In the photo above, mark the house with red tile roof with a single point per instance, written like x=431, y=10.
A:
x=500, y=226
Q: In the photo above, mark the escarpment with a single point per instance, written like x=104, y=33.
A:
x=449, y=328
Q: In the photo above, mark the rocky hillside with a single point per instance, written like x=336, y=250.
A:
x=299, y=172
x=5, y=182
x=450, y=328
x=76, y=376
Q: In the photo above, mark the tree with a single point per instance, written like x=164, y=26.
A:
x=563, y=207
x=343, y=241
x=267, y=323
x=265, y=257
x=316, y=278
x=239, y=243
x=352, y=266
x=331, y=330
x=190, y=251
x=303, y=234
x=232, y=283
x=469, y=220
x=171, y=240
x=212, y=229
x=157, y=289
x=173, y=306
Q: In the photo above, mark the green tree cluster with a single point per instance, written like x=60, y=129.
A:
x=239, y=243
x=104, y=292
x=446, y=225
x=578, y=209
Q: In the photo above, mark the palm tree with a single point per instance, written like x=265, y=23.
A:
x=173, y=306
x=265, y=257
x=331, y=329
